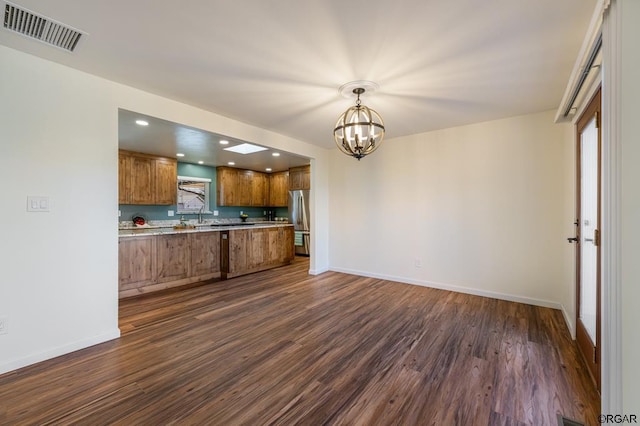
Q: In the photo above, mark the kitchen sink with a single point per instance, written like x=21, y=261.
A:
x=233, y=224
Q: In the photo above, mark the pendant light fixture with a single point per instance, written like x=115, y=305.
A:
x=359, y=130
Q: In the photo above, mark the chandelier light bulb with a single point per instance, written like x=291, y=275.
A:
x=359, y=130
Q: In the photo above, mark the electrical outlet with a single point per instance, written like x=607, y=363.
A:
x=170, y=213
x=4, y=325
x=215, y=212
x=417, y=263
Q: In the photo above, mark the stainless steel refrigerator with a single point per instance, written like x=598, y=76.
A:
x=300, y=217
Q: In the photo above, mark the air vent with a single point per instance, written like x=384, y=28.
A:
x=40, y=27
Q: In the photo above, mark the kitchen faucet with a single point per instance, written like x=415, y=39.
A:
x=200, y=220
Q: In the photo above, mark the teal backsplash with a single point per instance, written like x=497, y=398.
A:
x=127, y=211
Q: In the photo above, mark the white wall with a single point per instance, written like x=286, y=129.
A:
x=484, y=209
x=58, y=283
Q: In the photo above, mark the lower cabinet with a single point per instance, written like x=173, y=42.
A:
x=205, y=253
x=147, y=264
x=151, y=263
x=173, y=256
x=253, y=250
x=136, y=262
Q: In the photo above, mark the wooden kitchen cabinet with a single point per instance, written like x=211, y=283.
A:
x=259, y=189
x=300, y=178
x=141, y=180
x=279, y=189
x=166, y=181
x=238, y=258
x=205, y=253
x=146, y=179
x=227, y=186
x=257, y=248
x=124, y=178
x=288, y=250
x=156, y=262
x=136, y=262
x=279, y=246
x=242, y=188
x=173, y=257
x=253, y=250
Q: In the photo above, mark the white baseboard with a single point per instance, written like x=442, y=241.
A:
x=318, y=271
x=570, y=323
x=59, y=350
x=466, y=290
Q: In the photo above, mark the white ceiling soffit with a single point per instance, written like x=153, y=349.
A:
x=39, y=27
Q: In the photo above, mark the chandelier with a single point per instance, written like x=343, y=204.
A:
x=359, y=130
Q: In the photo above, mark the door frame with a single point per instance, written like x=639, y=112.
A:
x=591, y=351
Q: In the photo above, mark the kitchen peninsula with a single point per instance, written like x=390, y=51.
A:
x=156, y=258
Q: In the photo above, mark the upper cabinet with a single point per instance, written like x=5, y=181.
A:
x=259, y=189
x=227, y=186
x=146, y=179
x=279, y=189
x=238, y=187
x=300, y=178
x=246, y=188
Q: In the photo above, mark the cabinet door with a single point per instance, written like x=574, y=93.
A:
x=278, y=189
x=173, y=257
x=238, y=259
x=124, y=179
x=142, y=177
x=244, y=187
x=205, y=253
x=306, y=178
x=136, y=262
x=257, y=248
x=166, y=181
x=287, y=248
x=273, y=245
x=295, y=180
x=300, y=178
x=259, y=189
x=227, y=186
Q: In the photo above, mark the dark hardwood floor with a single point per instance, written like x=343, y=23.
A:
x=282, y=347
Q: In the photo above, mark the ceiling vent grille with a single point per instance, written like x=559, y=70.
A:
x=40, y=27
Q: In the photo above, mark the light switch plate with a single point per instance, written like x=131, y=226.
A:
x=37, y=204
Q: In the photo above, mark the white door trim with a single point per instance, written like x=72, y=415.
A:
x=611, y=289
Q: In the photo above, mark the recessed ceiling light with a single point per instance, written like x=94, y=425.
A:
x=223, y=142
x=276, y=154
x=231, y=163
x=179, y=154
x=245, y=148
x=142, y=123
x=200, y=162
x=268, y=169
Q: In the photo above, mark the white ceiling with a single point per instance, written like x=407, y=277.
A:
x=278, y=64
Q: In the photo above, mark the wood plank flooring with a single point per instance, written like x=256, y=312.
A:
x=281, y=347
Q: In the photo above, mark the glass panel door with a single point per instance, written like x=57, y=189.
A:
x=588, y=228
x=588, y=238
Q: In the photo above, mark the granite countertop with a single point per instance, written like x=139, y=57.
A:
x=204, y=227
